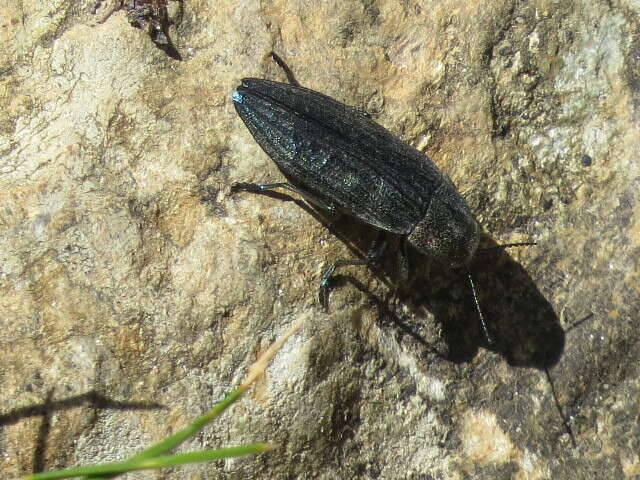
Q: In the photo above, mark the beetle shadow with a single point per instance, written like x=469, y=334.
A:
x=522, y=323
x=524, y=327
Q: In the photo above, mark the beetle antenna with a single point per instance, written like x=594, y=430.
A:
x=287, y=71
x=475, y=299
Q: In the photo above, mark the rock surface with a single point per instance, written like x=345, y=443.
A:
x=135, y=289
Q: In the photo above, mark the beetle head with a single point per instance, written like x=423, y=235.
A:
x=448, y=233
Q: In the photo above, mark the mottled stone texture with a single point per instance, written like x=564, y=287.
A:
x=135, y=289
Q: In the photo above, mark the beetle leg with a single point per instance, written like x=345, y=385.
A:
x=265, y=187
x=404, y=268
x=373, y=255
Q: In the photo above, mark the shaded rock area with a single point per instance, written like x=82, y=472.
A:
x=135, y=289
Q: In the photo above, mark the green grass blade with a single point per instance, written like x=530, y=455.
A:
x=190, y=430
x=116, y=468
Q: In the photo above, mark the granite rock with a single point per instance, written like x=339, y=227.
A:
x=135, y=288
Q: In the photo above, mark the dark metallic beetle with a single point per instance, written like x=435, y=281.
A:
x=339, y=159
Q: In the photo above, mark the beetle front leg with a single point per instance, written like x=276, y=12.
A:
x=371, y=258
x=265, y=187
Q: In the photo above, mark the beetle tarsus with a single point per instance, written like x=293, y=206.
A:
x=371, y=258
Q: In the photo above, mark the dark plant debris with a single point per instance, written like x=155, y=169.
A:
x=149, y=15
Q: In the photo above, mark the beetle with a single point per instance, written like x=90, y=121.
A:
x=337, y=158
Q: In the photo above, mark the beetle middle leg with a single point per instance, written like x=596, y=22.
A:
x=374, y=254
x=265, y=187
